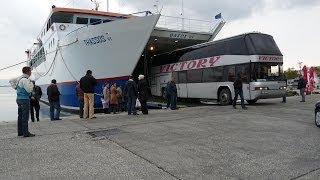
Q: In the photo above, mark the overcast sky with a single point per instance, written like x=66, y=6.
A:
x=294, y=24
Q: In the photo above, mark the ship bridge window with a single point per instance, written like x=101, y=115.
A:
x=62, y=18
x=82, y=20
x=94, y=21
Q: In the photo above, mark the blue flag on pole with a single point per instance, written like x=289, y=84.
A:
x=218, y=16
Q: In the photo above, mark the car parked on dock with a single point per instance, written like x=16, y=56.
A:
x=317, y=114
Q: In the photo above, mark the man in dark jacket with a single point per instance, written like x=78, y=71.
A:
x=144, y=93
x=302, y=86
x=131, y=92
x=34, y=101
x=237, y=85
x=54, y=100
x=87, y=84
x=171, y=94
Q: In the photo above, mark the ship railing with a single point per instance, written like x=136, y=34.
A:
x=185, y=24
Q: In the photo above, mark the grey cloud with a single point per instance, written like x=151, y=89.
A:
x=230, y=9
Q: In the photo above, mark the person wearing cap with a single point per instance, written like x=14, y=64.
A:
x=87, y=84
x=144, y=93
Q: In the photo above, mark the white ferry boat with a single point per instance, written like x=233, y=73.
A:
x=112, y=45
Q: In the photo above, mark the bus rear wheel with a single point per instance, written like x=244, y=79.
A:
x=225, y=97
x=251, y=101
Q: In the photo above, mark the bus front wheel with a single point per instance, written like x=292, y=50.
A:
x=251, y=101
x=225, y=97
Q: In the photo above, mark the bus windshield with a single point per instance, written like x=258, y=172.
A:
x=267, y=72
x=262, y=44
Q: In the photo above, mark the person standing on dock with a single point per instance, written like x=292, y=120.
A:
x=34, y=101
x=171, y=94
x=302, y=86
x=24, y=87
x=54, y=100
x=131, y=92
x=144, y=93
x=87, y=84
x=113, y=98
x=80, y=95
x=237, y=85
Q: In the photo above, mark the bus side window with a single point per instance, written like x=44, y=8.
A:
x=244, y=70
x=195, y=76
x=218, y=74
x=208, y=75
x=175, y=75
x=231, y=73
x=182, y=77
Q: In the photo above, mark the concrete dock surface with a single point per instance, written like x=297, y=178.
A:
x=270, y=140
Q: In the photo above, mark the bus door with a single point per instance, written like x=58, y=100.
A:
x=182, y=85
x=246, y=90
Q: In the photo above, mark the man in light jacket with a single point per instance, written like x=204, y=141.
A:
x=24, y=87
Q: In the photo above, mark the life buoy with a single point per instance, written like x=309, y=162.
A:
x=62, y=27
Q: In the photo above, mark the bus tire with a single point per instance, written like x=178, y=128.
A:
x=163, y=93
x=225, y=97
x=251, y=101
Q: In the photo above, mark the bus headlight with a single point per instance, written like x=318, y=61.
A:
x=261, y=88
x=283, y=87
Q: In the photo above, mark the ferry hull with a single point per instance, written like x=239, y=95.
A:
x=111, y=50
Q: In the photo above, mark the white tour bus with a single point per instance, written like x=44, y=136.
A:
x=208, y=70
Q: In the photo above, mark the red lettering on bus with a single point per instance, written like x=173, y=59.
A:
x=173, y=67
x=161, y=68
x=213, y=60
x=192, y=63
x=201, y=63
x=182, y=65
x=164, y=68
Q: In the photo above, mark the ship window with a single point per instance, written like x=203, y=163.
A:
x=106, y=20
x=94, y=21
x=82, y=20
